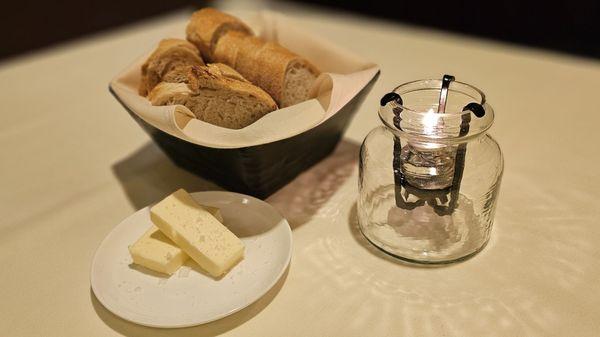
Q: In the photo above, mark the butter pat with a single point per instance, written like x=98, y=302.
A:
x=157, y=252
x=198, y=233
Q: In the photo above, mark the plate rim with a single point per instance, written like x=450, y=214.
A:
x=270, y=286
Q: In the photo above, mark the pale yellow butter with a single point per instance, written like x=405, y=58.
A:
x=157, y=252
x=198, y=233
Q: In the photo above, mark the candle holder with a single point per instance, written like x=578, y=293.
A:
x=430, y=175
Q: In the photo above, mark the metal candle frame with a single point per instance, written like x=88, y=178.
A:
x=443, y=201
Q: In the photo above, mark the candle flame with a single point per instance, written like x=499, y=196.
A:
x=429, y=121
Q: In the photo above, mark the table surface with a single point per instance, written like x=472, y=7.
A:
x=74, y=164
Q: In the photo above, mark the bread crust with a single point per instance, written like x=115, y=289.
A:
x=207, y=25
x=229, y=72
x=167, y=60
x=212, y=77
x=247, y=80
x=263, y=63
x=165, y=93
x=218, y=80
x=225, y=39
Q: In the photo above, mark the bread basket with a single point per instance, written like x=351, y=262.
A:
x=252, y=161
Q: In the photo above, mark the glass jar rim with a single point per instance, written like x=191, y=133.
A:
x=414, y=121
x=453, y=87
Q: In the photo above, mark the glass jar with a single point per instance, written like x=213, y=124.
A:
x=430, y=175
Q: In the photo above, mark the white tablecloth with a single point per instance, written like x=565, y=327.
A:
x=74, y=164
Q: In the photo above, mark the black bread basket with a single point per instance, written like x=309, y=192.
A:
x=262, y=169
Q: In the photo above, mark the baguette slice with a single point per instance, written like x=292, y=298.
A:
x=207, y=25
x=286, y=76
x=166, y=93
x=167, y=63
x=216, y=94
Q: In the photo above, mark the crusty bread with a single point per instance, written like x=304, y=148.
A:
x=283, y=74
x=223, y=38
x=216, y=94
x=165, y=93
x=167, y=62
x=207, y=25
x=229, y=72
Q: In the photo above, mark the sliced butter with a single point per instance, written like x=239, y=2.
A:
x=157, y=252
x=198, y=233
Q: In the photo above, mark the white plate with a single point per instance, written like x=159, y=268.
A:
x=189, y=297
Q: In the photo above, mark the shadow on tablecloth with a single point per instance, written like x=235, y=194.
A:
x=301, y=199
x=148, y=176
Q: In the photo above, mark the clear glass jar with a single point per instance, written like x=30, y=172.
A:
x=429, y=181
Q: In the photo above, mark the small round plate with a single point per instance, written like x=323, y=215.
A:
x=189, y=297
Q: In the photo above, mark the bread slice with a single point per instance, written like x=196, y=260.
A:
x=286, y=76
x=167, y=62
x=216, y=94
x=166, y=93
x=207, y=25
